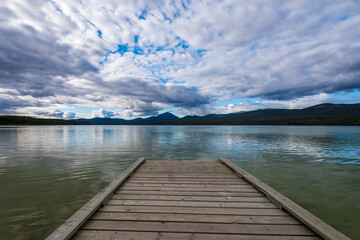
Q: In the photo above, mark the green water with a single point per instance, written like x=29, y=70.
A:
x=48, y=172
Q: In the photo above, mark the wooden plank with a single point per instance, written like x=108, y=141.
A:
x=179, y=162
x=187, y=185
x=209, y=164
x=184, y=193
x=66, y=230
x=219, y=228
x=127, y=235
x=191, y=181
x=184, y=175
x=195, y=210
x=190, y=204
x=212, y=182
x=196, y=178
x=189, y=168
x=190, y=198
x=204, y=218
x=316, y=224
x=186, y=168
x=202, y=172
x=199, y=189
x=187, y=173
x=183, y=166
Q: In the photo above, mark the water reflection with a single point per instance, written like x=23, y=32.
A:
x=46, y=173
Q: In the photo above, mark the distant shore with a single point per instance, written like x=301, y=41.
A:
x=23, y=120
x=324, y=114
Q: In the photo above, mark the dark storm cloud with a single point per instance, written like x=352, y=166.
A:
x=147, y=93
x=31, y=61
x=9, y=105
x=27, y=51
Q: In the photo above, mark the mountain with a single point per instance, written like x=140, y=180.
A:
x=161, y=119
x=103, y=121
x=163, y=116
x=323, y=114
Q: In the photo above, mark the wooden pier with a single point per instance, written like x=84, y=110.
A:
x=191, y=200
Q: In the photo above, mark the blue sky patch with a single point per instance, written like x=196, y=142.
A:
x=137, y=50
x=122, y=48
x=143, y=14
x=99, y=34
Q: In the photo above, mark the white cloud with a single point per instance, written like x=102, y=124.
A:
x=54, y=113
x=69, y=115
x=187, y=55
x=102, y=113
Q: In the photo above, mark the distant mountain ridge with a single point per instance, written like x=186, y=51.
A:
x=322, y=114
x=163, y=118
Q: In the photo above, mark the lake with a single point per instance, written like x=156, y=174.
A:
x=48, y=172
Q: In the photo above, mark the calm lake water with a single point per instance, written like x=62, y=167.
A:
x=48, y=172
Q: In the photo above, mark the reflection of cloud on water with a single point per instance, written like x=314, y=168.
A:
x=344, y=162
x=301, y=146
x=329, y=149
x=101, y=147
x=295, y=145
x=3, y=163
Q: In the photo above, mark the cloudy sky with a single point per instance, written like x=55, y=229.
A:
x=95, y=58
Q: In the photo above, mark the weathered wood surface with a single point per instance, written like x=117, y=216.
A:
x=195, y=210
x=193, y=200
x=127, y=235
x=190, y=204
x=185, y=227
x=185, y=193
x=190, y=198
x=204, y=218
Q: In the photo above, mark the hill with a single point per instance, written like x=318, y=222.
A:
x=22, y=120
x=323, y=114
x=156, y=120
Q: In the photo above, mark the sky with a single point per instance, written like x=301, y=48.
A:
x=126, y=59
